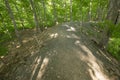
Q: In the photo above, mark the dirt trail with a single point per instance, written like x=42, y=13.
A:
x=64, y=52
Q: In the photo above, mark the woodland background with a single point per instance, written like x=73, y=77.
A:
x=17, y=15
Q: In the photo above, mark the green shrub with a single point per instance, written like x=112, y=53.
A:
x=114, y=47
x=114, y=42
x=4, y=38
x=3, y=50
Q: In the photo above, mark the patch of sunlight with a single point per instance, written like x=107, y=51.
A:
x=26, y=40
x=111, y=39
x=57, y=23
x=68, y=36
x=72, y=36
x=37, y=61
x=71, y=29
x=12, y=43
x=42, y=69
x=77, y=42
x=96, y=70
x=54, y=35
x=18, y=46
x=104, y=55
x=66, y=25
x=32, y=52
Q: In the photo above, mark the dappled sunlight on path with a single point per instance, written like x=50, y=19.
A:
x=64, y=52
x=96, y=70
x=42, y=69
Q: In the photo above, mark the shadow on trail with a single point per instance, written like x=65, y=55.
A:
x=38, y=69
x=68, y=54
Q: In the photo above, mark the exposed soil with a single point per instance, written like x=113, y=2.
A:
x=70, y=51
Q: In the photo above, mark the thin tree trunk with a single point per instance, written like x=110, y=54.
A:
x=98, y=12
x=113, y=13
x=114, y=6
x=118, y=19
x=104, y=13
x=90, y=10
x=21, y=20
x=44, y=7
x=71, y=10
x=81, y=13
x=65, y=18
x=39, y=13
x=13, y=20
x=55, y=13
x=35, y=16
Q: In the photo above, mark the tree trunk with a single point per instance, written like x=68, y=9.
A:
x=71, y=10
x=44, y=17
x=90, y=10
x=81, y=12
x=113, y=16
x=35, y=16
x=118, y=19
x=21, y=20
x=13, y=20
x=114, y=11
x=65, y=17
x=99, y=12
x=55, y=13
x=38, y=10
x=44, y=7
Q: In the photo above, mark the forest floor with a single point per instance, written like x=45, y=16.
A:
x=64, y=52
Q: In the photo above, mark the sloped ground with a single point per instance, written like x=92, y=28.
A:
x=65, y=52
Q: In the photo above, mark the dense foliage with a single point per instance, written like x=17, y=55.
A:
x=46, y=13
x=114, y=42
